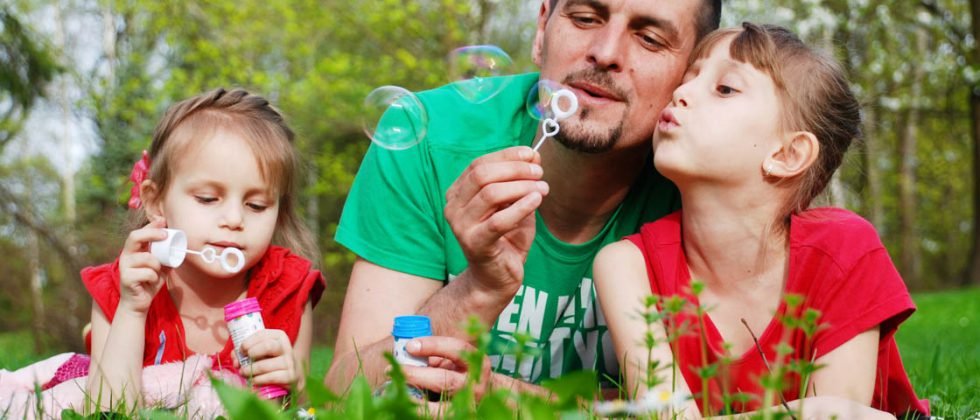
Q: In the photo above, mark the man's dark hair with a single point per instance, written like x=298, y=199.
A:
x=707, y=20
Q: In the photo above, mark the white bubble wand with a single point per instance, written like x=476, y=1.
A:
x=549, y=126
x=172, y=251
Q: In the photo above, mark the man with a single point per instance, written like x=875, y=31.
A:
x=472, y=222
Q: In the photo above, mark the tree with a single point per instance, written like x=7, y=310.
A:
x=26, y=66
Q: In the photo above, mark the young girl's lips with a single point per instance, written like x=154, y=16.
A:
x=226, y=245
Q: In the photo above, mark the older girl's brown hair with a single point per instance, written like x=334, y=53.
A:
x=188, y=123
x=814, y=95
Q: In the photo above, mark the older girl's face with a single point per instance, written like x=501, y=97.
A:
x=721, y=124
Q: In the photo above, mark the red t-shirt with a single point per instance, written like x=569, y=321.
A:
x=282, y=282
x=837, y=265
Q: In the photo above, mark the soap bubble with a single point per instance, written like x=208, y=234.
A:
x=394, y=118
x=474, y=70
x=538, y=103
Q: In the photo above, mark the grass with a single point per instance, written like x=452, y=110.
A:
x=940, y=346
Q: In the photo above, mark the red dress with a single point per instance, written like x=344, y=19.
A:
x=283, y=282
x=838, y=266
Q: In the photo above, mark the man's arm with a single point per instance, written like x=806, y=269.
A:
x=490, y=208
x=376, y=295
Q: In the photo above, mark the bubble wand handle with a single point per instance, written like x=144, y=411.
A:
x=549, y=127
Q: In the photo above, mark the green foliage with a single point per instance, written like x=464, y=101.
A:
x=26, y=66
x=242, y=404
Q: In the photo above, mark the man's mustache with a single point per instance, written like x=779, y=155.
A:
x=598, y=78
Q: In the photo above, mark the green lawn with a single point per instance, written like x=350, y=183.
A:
x=940, y=346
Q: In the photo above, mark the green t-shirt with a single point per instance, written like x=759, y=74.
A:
x=394, y=218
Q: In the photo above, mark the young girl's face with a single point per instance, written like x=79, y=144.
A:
x=220, y=199
x=721, y=123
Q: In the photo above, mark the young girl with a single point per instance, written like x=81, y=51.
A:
x=222, y=168
x=753, y=134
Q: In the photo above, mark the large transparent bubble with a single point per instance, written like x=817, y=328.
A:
x=474, y=70
x=394, y=118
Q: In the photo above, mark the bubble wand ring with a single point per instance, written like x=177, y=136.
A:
x=550, y=127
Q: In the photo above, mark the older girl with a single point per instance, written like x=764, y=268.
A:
x=751, y=137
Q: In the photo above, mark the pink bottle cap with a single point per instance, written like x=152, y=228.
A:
x=271, y=391
x=241, y=307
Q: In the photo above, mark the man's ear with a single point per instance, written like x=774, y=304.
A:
x=151, y=198
x=794, y=157
x=538, y=46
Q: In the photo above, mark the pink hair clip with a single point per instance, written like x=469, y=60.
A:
x=138, y=175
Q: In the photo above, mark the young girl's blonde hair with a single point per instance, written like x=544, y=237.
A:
x=814, y=94
x=188, y=123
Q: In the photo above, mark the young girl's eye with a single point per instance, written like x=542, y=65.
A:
x=205, y=199
x=256, y=206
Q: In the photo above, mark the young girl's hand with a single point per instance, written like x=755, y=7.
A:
x=139, y=271
x=272, y=359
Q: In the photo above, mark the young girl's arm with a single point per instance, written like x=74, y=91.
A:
x=114, y=384
x=622, y=285
x=115, y=372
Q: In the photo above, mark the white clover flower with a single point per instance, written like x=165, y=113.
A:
x=306, y=413
x=651, y=402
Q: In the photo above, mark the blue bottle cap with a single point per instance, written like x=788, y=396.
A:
x=411, y=326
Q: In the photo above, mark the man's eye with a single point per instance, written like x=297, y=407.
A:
x=651, y=42
x=585, y=20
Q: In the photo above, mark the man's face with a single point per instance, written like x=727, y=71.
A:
x=622, y=58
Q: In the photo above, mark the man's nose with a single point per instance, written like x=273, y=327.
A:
x=607, y=47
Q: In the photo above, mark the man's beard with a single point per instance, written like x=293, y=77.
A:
x=579, y=137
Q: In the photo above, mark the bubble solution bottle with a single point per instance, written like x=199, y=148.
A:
x=406, y=328
x=244, y=318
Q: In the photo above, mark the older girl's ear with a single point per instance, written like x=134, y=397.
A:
x=794, y=157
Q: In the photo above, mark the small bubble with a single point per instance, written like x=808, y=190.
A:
x=964, y=321
x=475, y=70
x=538, y=104
x=394, y=118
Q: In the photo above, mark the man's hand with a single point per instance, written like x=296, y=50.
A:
x=491, y=208
x=448, y=370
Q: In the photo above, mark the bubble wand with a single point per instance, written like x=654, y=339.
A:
x=172, y=251
x=549, y=126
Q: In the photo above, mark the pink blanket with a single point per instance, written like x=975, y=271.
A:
x=184, y=387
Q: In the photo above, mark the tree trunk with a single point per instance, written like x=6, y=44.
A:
x=973, y=268
x=37, y=297
x=876, y=211
x=67, y=170
x=911, y=262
